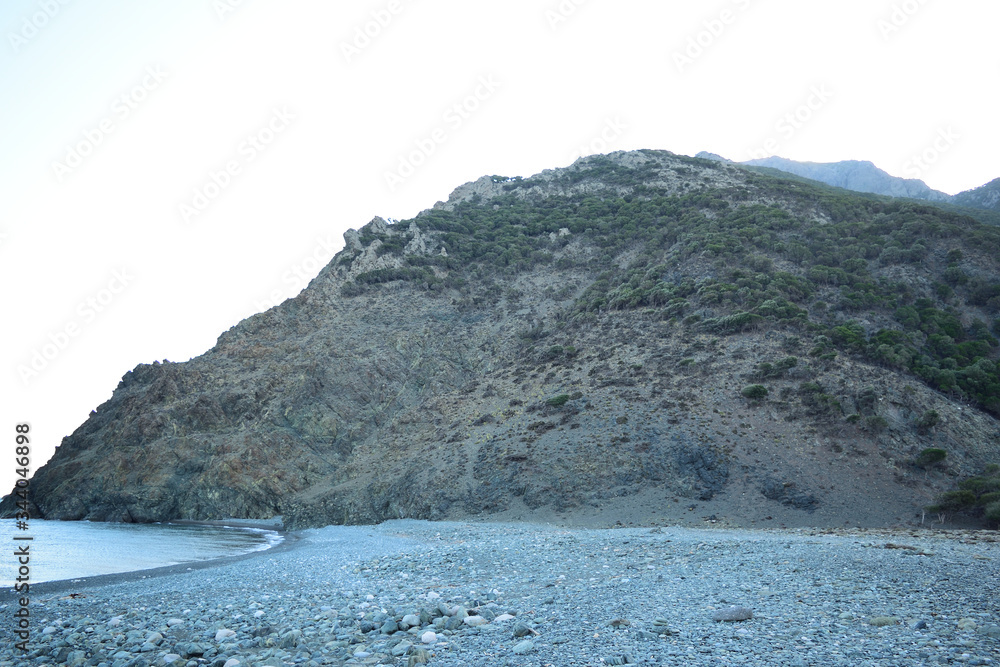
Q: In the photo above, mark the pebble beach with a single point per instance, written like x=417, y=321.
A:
x=465, y=593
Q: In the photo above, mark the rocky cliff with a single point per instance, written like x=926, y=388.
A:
x=577, y=342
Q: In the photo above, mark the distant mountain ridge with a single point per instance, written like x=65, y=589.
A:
x=864, y=176
x=986, y=197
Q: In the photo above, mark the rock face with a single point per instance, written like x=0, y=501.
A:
x=560, y=343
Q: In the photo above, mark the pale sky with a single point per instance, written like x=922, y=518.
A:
x=169, y=168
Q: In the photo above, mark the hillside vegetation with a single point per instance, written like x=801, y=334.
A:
x=898, y=283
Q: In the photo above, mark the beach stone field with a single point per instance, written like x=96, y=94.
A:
x=464, y=593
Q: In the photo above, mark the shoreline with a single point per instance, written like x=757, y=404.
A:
x=274, y=523
x=290, y=540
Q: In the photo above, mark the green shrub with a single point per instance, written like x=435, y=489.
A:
x=928, y=420
x=956, y=500
x=976, y=496
x=767, y=370
x=992, y=513
x=980, y=485
x=930, y=456
x=875, y=424
x=352, y=289
x=557, y=401
x=786, y=363
x=817, y=401
x=867, y=400
x=754, y=392
x=731, y=323
x=810, y=388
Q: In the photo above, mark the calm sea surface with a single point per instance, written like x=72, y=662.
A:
x=74, y=549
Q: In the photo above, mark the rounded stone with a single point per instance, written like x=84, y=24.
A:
x=732, y=614
x=523, y=647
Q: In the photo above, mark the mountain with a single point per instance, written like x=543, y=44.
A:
x=864, y=176
x=641, y=335
x=984, y=197
x=857, y=175
x=705, y=155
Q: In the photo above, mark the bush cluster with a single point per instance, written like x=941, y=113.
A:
x=975, y=496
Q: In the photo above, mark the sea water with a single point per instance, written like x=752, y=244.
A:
x=75, y=549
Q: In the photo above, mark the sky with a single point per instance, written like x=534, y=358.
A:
x=168, y=169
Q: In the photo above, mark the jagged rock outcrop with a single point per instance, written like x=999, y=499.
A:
x=569, y=342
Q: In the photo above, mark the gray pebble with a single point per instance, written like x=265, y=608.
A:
x=732, y=614
x=328, y=600
x=523, y=647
